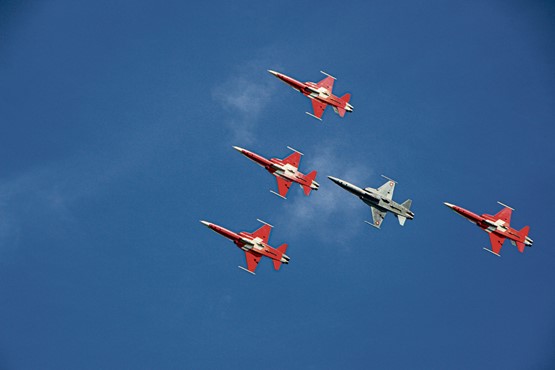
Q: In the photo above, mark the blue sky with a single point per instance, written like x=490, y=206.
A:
x=117, y=122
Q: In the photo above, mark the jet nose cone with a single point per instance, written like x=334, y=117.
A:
x=273, y=72
x=238, y=149
x=449, y=204
x=205, y=223
x=334, y=179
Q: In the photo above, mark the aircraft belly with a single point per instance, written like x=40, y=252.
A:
x=379, y=208
x=285, y=176
x=370, y=201
x=387, y=207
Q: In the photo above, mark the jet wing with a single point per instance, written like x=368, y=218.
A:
x=283, y=186
x=377, y=217
x=263, y=233
x=252, y=261
x=496, y=243
x=327, y=83
x=504, y=215
x=318, y=108
x=294, y=159
x=386, y=190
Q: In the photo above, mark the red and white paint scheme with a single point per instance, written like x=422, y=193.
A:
x=285, y=170
x=320, y=94
x=254, y=244
x=498, y=227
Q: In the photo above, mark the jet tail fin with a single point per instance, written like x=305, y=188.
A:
x=282, y=248
x=310, y=177
x=524, y=235
x=346, y=97
x=402, y=220
x=407, y=203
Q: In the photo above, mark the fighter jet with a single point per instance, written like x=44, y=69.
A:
x=379, y=201
x=320, y=94
x=285, y=171
x=498, y=227
x=254, y=244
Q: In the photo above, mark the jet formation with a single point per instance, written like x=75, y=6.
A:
x=380, y=201
x=285, y=170
x=254, y=244
x=320, y=94
x=498, y=227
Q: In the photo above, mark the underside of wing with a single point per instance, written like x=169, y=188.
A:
x=263, y=233
x=294, y=159
x=377, y=217
x=327, y=83
x=386, y=189
x=318, y=108
x=504, y=215
x=252, y=261
x=283, y=186
x=496, y=242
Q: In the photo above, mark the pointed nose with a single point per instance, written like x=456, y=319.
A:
x=449, y=204
x=273, y=72
x=207, y=224
x=334, y=179
x=238, y=149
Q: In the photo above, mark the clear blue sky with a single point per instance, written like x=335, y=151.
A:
x=117, y=121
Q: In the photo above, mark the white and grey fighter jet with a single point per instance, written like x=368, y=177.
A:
x=380, y=200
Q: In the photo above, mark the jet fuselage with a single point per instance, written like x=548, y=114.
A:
x=246, y=242
x=371, y=197
x=279, y=169
x=313, y=91
x=490, y=224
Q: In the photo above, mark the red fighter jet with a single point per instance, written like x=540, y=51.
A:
x=285, y=171
x=254, y=244
x=498, y=227
x=320, y=94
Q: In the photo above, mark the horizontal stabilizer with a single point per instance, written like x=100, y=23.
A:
x=346, y=97
x=524, y=232
x=277, y=263
x=401, y=220
x=282, y=248
x=309, y=178
x=407, y=203
x=524, y=235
